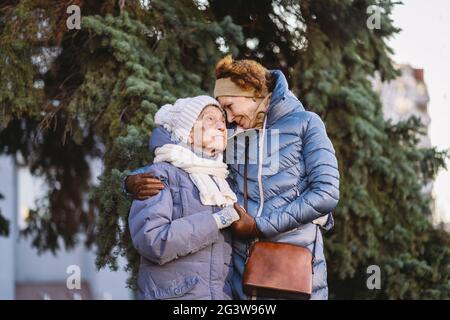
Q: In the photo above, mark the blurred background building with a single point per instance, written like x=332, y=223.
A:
x=402, y=98
x=24, y=274
x=425, y=44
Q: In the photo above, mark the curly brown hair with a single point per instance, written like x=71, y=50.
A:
x=247, y=74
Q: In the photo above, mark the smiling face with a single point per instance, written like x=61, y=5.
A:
x=240, y=110
x=209, y=132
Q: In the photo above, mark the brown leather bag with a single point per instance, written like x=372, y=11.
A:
x=278, y=270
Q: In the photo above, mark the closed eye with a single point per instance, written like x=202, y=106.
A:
x=228, y=107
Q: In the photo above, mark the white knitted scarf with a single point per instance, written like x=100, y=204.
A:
x=208, y=175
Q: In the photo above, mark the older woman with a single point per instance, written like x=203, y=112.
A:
x=181, y=232
x=288, y=189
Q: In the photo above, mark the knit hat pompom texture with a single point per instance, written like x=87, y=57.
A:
x=179, y=118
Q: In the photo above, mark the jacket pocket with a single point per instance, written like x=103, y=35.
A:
x=177, y=204
x=176, y=290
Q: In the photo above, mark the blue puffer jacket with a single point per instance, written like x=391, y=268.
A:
x=299, y=180
x=183, y=253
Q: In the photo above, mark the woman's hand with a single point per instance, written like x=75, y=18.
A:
x=143, y=185
x=245, y=227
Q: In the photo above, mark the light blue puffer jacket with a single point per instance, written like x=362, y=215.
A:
x=183, y=253
x=299, y=180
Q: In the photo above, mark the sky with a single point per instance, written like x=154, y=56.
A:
x=424, y=42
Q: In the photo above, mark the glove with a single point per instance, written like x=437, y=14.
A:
x=225, y=217
x=246, y=227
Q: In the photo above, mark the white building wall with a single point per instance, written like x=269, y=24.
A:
x=21, y=263
x=7, y=244
x=106, y=284
x=103, y=284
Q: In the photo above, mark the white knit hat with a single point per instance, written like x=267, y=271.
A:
x=180, y=117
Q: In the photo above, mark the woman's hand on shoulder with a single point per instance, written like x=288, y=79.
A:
x=143, y=185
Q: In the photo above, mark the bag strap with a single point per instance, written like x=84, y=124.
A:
x=314, y=249
x=245, y=172
x=247, y=142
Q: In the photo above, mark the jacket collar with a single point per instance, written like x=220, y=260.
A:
x=277, y=108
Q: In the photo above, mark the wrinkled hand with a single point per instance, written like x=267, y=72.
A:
x=143, y=185
x=245, y=227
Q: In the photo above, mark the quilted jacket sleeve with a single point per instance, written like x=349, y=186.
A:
x=322, y=194
x=161, y=239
